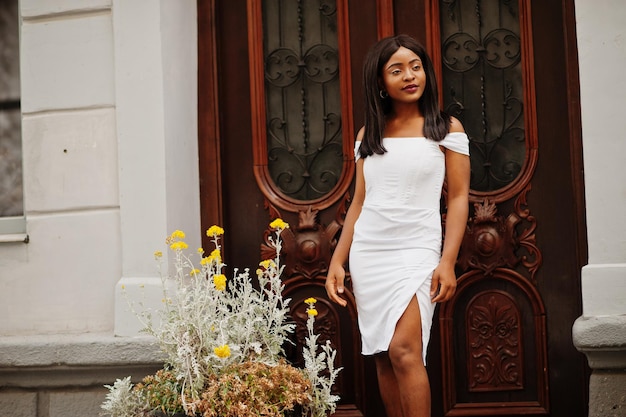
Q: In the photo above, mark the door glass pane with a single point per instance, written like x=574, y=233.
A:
x=303, y=105
x=483, y=85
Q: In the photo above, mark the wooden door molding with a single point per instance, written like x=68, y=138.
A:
x=384, y=18
x=209, y=146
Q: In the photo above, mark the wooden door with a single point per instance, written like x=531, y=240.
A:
x=519, y=269
x=509, y=71
x=277, y=99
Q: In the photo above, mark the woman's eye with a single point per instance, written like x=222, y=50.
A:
x=416, y=68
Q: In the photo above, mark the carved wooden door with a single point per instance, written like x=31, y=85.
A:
x=509, y=71
x=279, y=102
x=277, y=136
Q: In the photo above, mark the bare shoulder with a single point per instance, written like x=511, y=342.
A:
x=456, y=125
x=360, y=134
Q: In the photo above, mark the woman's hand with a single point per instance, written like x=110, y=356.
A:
x=443, y=284
x=334, y=284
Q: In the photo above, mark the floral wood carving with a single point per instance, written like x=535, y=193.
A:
x=307, y=246
x=495, y=361
x=527, y=239
x=493, y=241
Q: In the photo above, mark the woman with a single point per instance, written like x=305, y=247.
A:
x=392, y=231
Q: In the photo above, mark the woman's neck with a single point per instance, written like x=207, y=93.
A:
x=406, y=122
x=405, y=111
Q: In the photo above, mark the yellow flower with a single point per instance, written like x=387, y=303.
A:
x=220, y=282
x=194, y=271
x=310, y=300
x=215, y=256
x=311, y=312
x=267, y=263
x=178, y=245
x=222, y=351
x=214, y=231
x=123, y=286
x=205, y=261
x=177, y=234
x=279, y=224
x=200, y=251
x=158, y=254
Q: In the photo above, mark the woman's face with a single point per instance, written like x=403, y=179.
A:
x=403, y=76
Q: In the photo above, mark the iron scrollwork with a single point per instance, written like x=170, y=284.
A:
x=304, y=141
x=483, y=88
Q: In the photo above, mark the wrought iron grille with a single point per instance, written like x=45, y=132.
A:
x=302, y=93
x=483, y=85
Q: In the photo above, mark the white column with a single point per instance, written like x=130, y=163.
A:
x=156, y=96
x=601, y=331
x=602, y=57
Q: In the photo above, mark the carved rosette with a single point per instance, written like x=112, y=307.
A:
x=493, y=241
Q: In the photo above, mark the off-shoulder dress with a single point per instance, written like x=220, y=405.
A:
x=397, y=238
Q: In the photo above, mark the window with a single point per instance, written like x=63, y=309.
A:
x=11, y=187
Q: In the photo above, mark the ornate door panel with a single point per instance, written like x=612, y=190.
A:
x=279, y=102
x=505, y=335
x=283, y=134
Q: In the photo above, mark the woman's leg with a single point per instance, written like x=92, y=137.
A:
x=388, y=385
x=405, y=357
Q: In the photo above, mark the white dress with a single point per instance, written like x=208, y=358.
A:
x=397, y=238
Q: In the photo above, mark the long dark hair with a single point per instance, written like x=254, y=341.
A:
x=436, y=122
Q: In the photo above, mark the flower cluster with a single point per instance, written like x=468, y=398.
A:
x=223, y=339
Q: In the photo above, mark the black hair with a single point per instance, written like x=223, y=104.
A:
x=436, y=122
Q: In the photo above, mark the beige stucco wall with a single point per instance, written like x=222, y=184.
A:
x=63, y=279
x=109, y=155
x=109, y=101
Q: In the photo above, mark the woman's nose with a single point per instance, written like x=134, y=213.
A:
x=408, y=75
